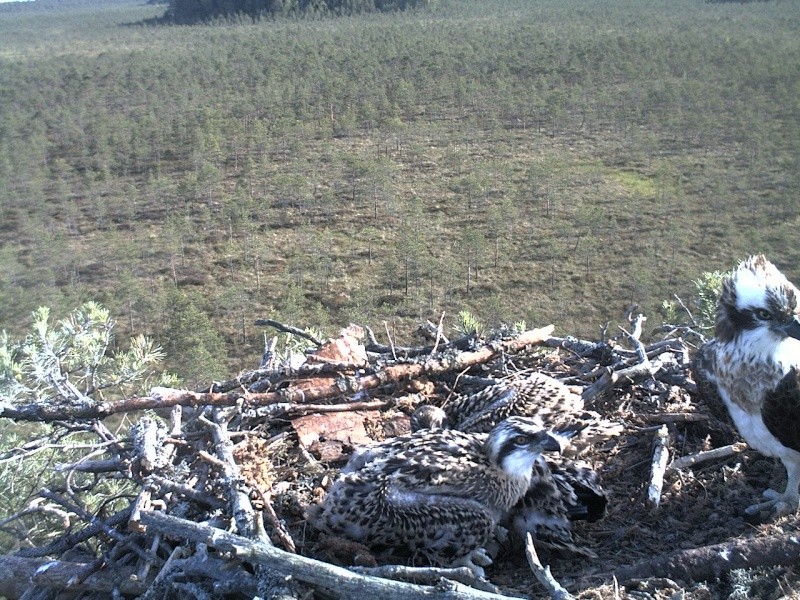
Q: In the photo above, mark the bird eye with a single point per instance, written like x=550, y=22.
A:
x=763, y=314
x=520, y=440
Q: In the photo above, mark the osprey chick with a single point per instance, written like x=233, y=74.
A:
x=561, y=490
x=438, y=494
x=753, y=363
x=534, y=395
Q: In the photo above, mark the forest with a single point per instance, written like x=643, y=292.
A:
x=191, y=11
x=536, y=161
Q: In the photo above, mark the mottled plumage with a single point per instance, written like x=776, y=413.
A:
x=561, y=490
x=437, y=494
x=535, y=395
x=751, y=368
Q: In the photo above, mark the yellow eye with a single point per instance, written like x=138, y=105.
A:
x=520, y=440
x=763, y=314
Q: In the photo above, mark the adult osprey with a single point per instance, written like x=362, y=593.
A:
x=752, y=365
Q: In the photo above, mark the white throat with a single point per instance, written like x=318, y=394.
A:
x=519, y=463
x=763, y=346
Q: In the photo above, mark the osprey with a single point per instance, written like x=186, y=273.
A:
x=534, y=395
x=751, y=367
x=561, y=490
x=437, y=494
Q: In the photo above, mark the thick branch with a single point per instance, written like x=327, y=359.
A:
x=658, y=466
x=18, y=573
x=289, y=329
x=336, y=581
x=710, y=562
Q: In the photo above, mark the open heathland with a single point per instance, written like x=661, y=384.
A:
x=523, y=160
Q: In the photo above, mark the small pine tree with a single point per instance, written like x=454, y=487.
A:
x=71, y=362
x=196, y=350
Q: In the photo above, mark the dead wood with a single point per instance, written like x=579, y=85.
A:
x=335, y=581
x=543, y=574
x=658, y=466
x=160, y=398
x=709, y=562
x=289, y=329
x=428, y=575
x=18, y=573
x=249, y=455
x=463, y=343
x=691, y=460
x=237, y=492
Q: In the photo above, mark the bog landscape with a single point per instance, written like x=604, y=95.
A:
x=492, y=167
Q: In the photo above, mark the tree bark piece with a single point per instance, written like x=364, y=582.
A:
x=337, y=582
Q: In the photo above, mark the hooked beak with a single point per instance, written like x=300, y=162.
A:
x=552, y=442
x=792, y=328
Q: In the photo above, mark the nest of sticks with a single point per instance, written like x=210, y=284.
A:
x=216, y=483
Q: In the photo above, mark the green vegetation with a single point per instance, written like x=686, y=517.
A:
x=204, y=11
x=516, y=159
x=71, y=361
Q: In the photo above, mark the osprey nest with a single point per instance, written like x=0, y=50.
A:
x=213, y=490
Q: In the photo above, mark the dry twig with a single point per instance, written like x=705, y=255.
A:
x=543, y=574
x=685, y=462
x=658, y=466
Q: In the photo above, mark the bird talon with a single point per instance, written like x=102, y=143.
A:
x=480, y=557
x=475, y=561
x=779, y=506
x=501, y=533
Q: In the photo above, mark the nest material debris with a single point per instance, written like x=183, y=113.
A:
x=222, y=480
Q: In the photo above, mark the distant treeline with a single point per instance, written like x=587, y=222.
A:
x=194, y=11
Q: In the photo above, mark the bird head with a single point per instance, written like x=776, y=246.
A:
x=429, y=417
x=759, y=302
x=515, y=444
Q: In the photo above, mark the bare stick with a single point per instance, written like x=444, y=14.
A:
x=18, y=575
x=73, y=539
x=684, y=462
x=167, y=485
x=542, y=573
x=658, y=467
x=141, y=503
x=241, y=508
x=428, y=575
x=389, y=337
x=666, y=418
x=280, y=531
x=439, y=335
x=289, y=329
